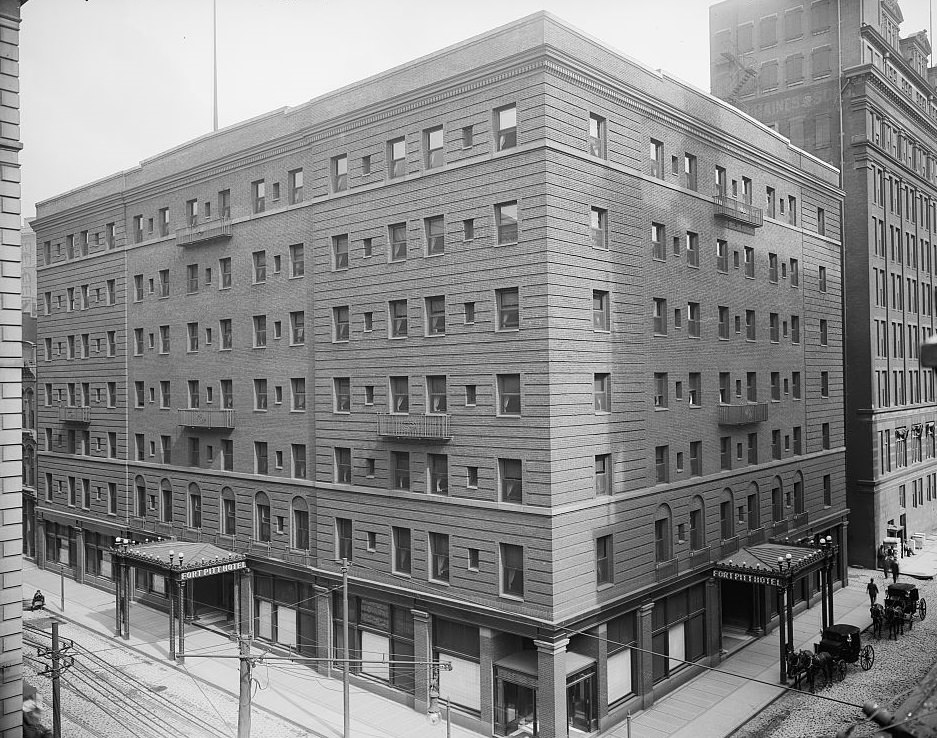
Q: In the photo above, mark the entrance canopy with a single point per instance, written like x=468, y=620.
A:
x=770, y=563
x=184, y=559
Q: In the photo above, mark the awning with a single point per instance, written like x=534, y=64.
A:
x=525, y=662
x=188, y=559
x=759, y=564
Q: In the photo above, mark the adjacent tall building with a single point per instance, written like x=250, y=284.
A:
x=838, y=79
x=505, y=328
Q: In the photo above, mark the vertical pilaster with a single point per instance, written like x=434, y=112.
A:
x=714, y=616
x=180, y=656
x=170, y=587
x=551, y=687
x=422, y=654
x=323, y=629
x=79, y=554
x=117, y=597
x=40, y=542
x=601, y=670
x=844, y=553
x=645, y=665
x=487, y=650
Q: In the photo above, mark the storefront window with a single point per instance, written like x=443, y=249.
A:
x=284, y=612
x=679, y=633
x=458, y=644
x=621, y=637
x=580, y=700
x=516, y=711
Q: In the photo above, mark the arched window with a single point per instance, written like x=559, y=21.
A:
x=139, y=485
x=300, y=530
x=262, y=517
x=29, y=466
x=165, y=488
x=195, y=506
x=799, y=506
x=753, y=505
x=228, y=512
x=727, y=514
x=29, y=410
x=663, y=534
x=697, y=523
x=777, y=500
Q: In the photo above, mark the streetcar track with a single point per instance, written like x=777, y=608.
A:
x=151, y=710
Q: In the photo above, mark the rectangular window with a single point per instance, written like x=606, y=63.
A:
x=602, y=392
x=657, y=158
x=258, y=196
x=437, y=474
x=598, y=223
x=340, y=252
x=693, y=319
x=658, y=241
x=512, y=570
x=260, y=266
x=509, y=394
x=824, y=336
x=397, y=323
x=436, y=395
x=750, y=262
x=344, y=539
x=397, y=234
x=339, y=169
x=725, y=452
x=297, y=328
x=433, y=145
x=508, y=305
x=597, y=136
x=400, y=395
x=723, y=322
x=506, y=222
x=601, y=316
x=662, y=463
x=774, y=327
x=260, y=394
x=400, y=468
x=260, y=331
x=696, y=458
x=342, y=394
x=822, y=276
x=439, y=557
x=435, y=235
x=751, y=386
x=298, y=453
x=506, y=127
x=297, y=260
x=402, y=550
x=692, y=249
x=825, y=435
x=298, y=394
x=824, y=384
x=603, y=475
x=340, y=323
x=689, y=170
x=695, y=392
x=750, y=325
x=295, y=179
x=660, y=316
x=342, y=465
x=511, y=480
x=752, y=448
x=396, y=158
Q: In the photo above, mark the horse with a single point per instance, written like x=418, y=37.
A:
x=820, y=663
x=796, y=665
x=877, y=612
x=894, y=619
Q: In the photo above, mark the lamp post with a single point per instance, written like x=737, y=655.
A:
x=785, y=633
x=433, y=711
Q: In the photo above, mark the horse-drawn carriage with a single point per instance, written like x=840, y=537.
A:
x=906, y=597
x=840, y=645
x=902, y=603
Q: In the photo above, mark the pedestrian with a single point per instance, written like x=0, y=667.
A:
x=894, y=570
x=872, y=590
x=39, y=601
x=886, y=564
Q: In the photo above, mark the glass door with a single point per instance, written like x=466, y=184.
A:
x=581, y=702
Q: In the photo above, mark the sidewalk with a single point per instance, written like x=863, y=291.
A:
x=716, y=703
x=314, y=705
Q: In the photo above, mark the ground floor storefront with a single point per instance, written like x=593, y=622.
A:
x=501, y=675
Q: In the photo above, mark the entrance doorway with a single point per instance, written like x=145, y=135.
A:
x=212, y=599
x=581, y=701
x=516, y=713
x=738, y=605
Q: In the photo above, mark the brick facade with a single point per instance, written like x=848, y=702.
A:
x=479, y=423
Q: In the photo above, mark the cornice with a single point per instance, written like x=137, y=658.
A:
x=874, y=78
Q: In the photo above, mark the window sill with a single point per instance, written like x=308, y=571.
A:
x=439, y=581
x=506, y=243
x=512, y=597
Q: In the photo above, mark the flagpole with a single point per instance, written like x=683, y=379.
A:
x=214, y=60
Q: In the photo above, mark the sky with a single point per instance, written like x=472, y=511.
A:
x=107, y=83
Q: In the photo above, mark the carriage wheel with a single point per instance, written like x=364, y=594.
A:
x=839, y=670
x=922, y=608
x=867, y=657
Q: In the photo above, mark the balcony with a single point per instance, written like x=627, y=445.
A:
x=800, y=520
x=737, y=211
x=700, y=558
x=753, y=412
x=416, y=427
x=756, y=537
x=212, y=230
x=666, y=570
x=206, y=418
x=728, y=546
x=77, y=415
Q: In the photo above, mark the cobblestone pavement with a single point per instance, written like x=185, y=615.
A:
x=899, y=666
x=111, y=690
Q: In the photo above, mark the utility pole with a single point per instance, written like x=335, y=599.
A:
x=56, y=687
x=345, y=689
x=60, y=662
x=244, y=697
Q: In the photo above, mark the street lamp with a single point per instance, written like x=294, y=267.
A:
x=433, y=713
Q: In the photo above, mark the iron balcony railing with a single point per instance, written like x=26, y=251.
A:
x=423, y=427
x=738, y=211
x=206, y=418
x=753, y=412
x=666, y=570
x=728, y=546
x=800, y=520
x=70, y=414
x=756, y=537
x=211, y=230
x=700, y=557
